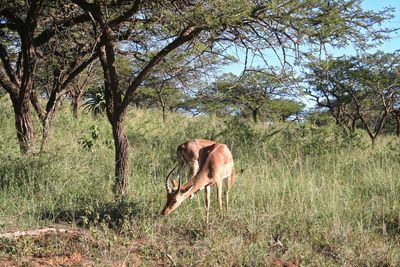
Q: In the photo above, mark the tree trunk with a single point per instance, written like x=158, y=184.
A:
x=121, y=159
x=46, y=124
x=76, y=102
x=75, y=108
x=164, y=114
x=255, y=115
x=52, y=104
x=353, y=125
x=24, y=125
x=373, y=140
x=397, y=126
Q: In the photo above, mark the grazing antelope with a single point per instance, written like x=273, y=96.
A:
x=188, y=154
x=216, y=166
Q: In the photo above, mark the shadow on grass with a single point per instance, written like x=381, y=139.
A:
x=195, y=234
x=392, y=225
x=114, y=214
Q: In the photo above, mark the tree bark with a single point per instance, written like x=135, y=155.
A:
x=24, y=125
x=255, y=115
x=353, y=125
x=46, y=128
x=52, y=104
x=76, y=103
x=121, y=145
x=164, y=114
x=373, y=140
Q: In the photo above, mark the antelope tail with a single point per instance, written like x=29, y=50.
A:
x=234, y=175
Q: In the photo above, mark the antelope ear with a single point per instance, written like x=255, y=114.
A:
x=167, y=184
x=187, y=189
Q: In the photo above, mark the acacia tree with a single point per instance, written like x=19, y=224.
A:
x=60, y=61
x=370, y=84
x=24, y=28
x=157, y=28
x=285, y=109
x=376, y=90
x=79, y=87
x=324, y=89
x=159, y=93
x=250, y=93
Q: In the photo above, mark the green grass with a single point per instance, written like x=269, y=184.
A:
x=308, y=195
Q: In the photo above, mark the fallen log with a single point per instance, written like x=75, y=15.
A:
x=39, y=232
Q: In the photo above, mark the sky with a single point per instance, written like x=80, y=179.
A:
x=394, y=44
x=388, y=46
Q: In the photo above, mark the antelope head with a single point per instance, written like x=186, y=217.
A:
x=175, y=196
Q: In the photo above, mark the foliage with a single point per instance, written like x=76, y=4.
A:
x=165, y=96
x=260, y=93
x=364, y=89
x=285, y=109
x=95, y=101
x=89, y=142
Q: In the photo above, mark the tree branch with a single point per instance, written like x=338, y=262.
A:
x=8, y=85
x=186, y=35
x=125, y=16
x=49, y=33
x=78, y=69
x=6, y=64
x=36, y=105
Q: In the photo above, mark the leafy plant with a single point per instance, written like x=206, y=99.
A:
x=88, y=143
x=95, y=101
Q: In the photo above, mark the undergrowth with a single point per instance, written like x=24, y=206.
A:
x=316, y=196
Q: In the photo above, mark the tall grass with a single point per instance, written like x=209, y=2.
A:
x=315, y=196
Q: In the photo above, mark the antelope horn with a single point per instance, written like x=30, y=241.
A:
x=167, y=184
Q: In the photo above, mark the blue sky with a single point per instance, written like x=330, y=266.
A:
x=388, y=46
x=394, y=44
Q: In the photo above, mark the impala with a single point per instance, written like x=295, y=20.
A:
x=189, y=153
x=216, y=166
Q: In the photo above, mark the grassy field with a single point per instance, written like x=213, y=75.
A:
x=310, y=196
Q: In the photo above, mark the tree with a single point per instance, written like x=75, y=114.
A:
x=24, y=28
x=61, y=60
x=285, y=109
x=173, y=82
x=82, y=82
x=255, y=92
x=157, y=28
x=370, y=84
x=323, y=87
x=159, y=94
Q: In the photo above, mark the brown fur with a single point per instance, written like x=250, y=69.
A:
x=216, y=164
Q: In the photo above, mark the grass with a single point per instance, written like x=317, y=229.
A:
x=309, y=195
